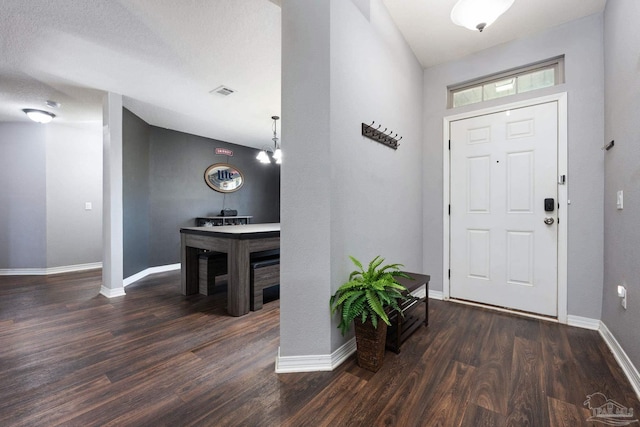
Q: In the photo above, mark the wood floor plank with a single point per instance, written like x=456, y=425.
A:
x=527, y=403
x=296, y=390
x=330, y=404
x=154, y=357
x=473, y=326
x=399, y=373
x=419, y=383
x=477, y=416
x=493, y=374
x=563, y=414
x=593, y=372
x=113, y=400
x=33, y=410
x=617, y=375
x=526, y=327
x=452, y=397
x=560, y=364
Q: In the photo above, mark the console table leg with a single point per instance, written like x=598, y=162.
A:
x=189, y=273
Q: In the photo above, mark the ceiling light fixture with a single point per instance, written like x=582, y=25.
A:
x=39, y=116
x=478, y=14
x=263, y=155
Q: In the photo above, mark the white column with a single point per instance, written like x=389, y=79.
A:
x=112, y=228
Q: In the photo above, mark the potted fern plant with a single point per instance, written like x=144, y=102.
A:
x=363, y=300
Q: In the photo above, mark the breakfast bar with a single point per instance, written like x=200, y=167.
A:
x=238, y=242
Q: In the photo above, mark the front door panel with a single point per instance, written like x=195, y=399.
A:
x=503, y=167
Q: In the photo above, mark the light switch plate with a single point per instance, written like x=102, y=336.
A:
x=622, y=294
x=620, y=200
x=88, y=206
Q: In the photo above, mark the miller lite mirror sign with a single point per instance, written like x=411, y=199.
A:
x=223, y=177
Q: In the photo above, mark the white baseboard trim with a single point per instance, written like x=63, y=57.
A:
x=621, y=357
x=49, y=270
x=583, y=322
x=72, y=268
x=315, y=363
x=111, y=293
x=23, y=272
x=436, y=295
x=151, y=270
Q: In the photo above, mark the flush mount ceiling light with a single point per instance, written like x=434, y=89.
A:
x=263, y=155
x=39, y=116
x=478, y=14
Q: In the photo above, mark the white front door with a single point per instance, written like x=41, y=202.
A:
x=503, y=167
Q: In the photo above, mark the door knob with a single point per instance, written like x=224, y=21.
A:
x=548, y=220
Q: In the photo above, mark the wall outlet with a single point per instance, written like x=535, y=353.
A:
x=622, y=294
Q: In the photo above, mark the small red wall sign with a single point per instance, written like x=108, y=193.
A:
x=224, y=151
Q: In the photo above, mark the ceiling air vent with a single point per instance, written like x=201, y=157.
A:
x=223, y=90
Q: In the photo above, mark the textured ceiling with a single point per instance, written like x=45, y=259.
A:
x=165, y=56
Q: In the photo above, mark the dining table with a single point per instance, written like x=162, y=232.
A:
x=238, y=242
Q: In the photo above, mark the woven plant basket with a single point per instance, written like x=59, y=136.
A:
x=370, y=344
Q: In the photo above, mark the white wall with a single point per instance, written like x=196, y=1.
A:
x=343, y=194
x=23, y=217
x=74, y=177
x=581, y=42
x=622, y=168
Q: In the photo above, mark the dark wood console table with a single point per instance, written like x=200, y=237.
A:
x=238, y=242
x=402, y=327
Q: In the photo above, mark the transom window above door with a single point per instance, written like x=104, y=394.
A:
x=520, y=80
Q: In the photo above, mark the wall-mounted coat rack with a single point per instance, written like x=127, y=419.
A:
x=381, y=136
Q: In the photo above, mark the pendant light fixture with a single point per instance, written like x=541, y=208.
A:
x=263, y=155
x=478, y=14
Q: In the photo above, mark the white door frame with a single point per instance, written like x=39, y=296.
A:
x=561, y=99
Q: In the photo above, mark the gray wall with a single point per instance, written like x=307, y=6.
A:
x=48, y=173
x=23, y=212
x=343, y=194
x=581, y=42
x=135, y=193
x=307, y=180
x=168, y=191
x=622, y=172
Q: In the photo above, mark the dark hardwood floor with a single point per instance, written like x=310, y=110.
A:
x=71, y=357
